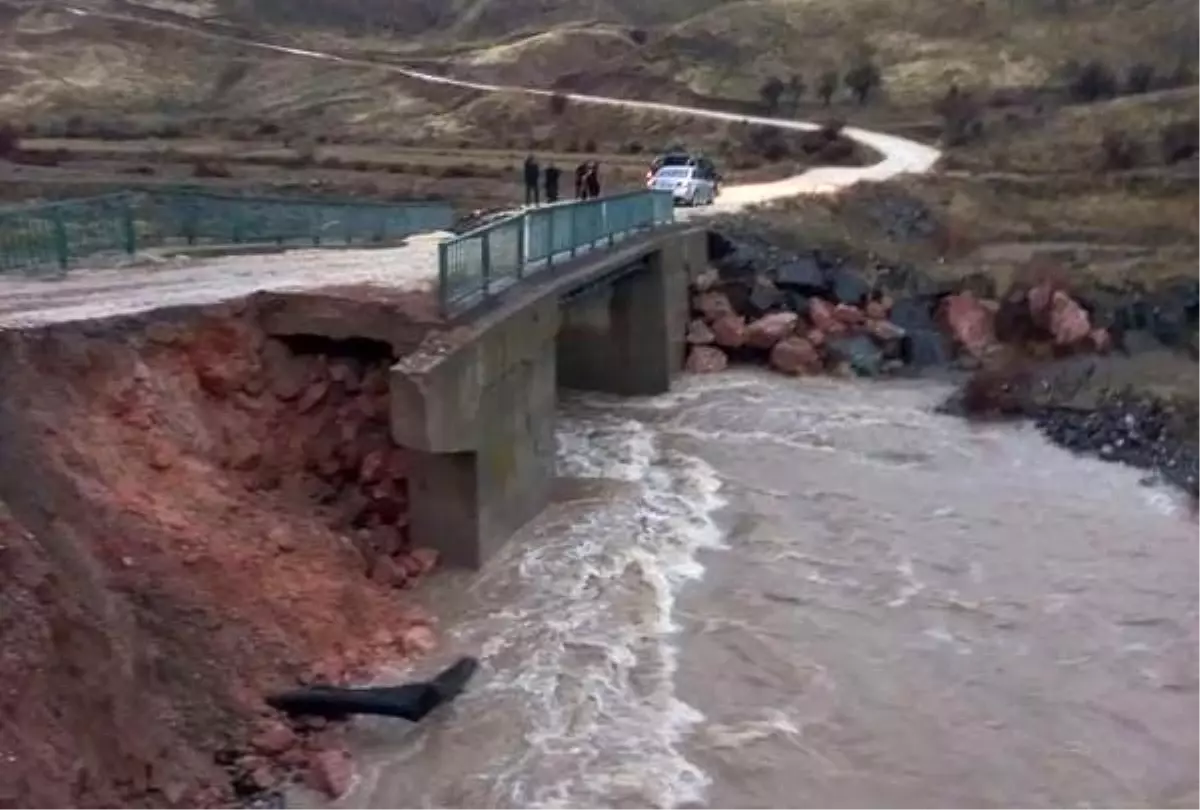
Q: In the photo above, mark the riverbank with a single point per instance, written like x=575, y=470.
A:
x=193, y=514
x=1112, y=375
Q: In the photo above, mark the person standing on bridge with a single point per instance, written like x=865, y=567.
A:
x=551, y=175
x=593, y=179
x=532, y=176
x=581, y=181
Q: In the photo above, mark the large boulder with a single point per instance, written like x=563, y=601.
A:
x=795, y=355
x=970, y=323
x=848, y=287
x=706, y=360
x=824, y=317
x=802, y=274
x=859, y=352
x=730, y=331
x=770, y=329
x=712, y=305
x=1069, y=322
x=699, y=333
x=764, y=296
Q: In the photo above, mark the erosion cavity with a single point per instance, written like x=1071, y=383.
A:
x=196, y=506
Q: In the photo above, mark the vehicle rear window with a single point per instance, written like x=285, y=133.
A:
x=676, y=160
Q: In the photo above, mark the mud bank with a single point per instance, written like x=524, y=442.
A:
x=1106, y=372
x=194, y=511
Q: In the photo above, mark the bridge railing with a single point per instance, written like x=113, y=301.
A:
x=56, y=235
x=476, y=265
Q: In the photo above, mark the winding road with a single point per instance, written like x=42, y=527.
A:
x=95, y=293
x=900, y=155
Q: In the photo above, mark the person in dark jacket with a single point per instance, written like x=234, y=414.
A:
x=593, y=179
x=532, y=176
x=551, y=175
x=581, y=181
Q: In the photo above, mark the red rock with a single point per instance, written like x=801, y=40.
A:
x=876, y=311
x=1101, y=340
x=286, y=374
x=399, y=464
x=795, y=355
x=162, y=455
x=849, y=314
x=331, y=772
x=418, y=640
x=816, y=337
x=1070, y=323
x=770, y=329
x=884, y=331
x=1039, y=299
x=272, y=737
x=312, y=396
x=706, y=360
x=374, y=467
x=410, y=565
x=699, y=333
x=281, y=538
x=969, y=321
x=712, y=305
x=347, y=375
x=706, y=280
x=821, y=313
x=730, y=331
x=427, y=558
x=244, y=453
x=386, y=571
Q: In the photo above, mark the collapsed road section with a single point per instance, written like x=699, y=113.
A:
x=198, y=506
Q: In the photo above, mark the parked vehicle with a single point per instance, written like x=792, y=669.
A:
x=689, y=185
x=680, y=158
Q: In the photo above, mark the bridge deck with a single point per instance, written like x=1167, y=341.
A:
x=85, y=294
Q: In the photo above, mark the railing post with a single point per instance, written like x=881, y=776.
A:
x=128, y=232
x=574, y=230
x=522, y=244
x=608, y=228
x=61, y=249
x=443, y=274
x=550, y=239
x=485, y=255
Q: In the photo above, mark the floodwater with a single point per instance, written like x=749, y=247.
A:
x=764, y=592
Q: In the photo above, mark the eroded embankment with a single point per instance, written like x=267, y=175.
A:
x=192, y=512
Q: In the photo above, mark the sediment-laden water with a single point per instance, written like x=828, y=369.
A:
x=765, y=592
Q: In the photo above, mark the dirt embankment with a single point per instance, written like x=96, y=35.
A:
x=191, y=513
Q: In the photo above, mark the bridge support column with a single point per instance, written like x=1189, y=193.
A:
x=627, y=338
x=479, y=416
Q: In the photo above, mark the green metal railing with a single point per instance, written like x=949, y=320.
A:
x=58, y=234
x=478, y=264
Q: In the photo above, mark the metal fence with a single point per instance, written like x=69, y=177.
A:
x=479, y=264
x=58, y=234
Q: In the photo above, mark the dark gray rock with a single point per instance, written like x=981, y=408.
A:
x=859, y=351
x=803, y=275
x=914, y=313
x=923, y=348
x=796, y=302
x=765, y=296
x=848, y=287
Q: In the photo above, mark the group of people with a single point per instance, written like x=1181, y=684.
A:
x=587, y=181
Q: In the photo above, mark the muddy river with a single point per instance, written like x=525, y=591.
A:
x=759, y=592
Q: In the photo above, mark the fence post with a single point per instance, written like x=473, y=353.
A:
x=485, y=255
x=550, y=239
x=608, y=226
x=61, y=249
x=128, y=231
x=443, y=260
x=574, y=230
x=522, y=244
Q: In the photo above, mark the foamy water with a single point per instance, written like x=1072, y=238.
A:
x=763, y=592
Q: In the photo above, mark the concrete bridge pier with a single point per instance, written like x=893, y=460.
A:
x=477, y=405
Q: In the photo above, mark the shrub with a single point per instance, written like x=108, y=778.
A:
x=770, y=92
x=1094, y=81
x=1119, y=151
x=1139, y=78
x=827, y=86
x=638, y=36
x=863, y=79
x=10, y=141
x=1178, y=141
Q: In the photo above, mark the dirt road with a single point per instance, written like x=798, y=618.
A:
x=99, y=293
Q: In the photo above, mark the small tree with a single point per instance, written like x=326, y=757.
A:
x=1093, y=82
x=638, y=36
x=558, y=104
x=770, y=92
x=1139, y=78
x=795, y=91
x=827, y=86
x=961, y=116
x=862, y=79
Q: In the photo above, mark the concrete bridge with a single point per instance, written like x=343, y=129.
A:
x=602, y=308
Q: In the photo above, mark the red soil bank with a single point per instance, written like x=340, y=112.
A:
x=191, y=514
